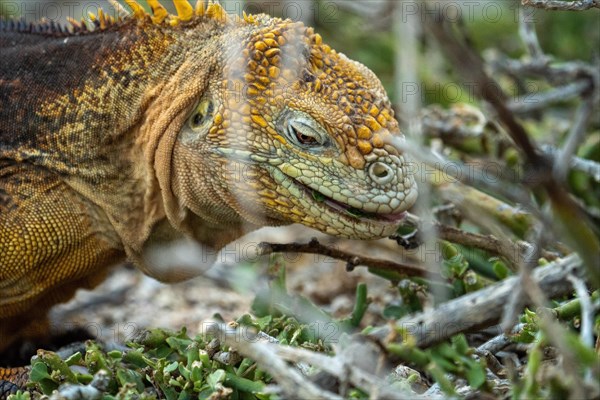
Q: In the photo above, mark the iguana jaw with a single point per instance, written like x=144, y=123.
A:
x=350, y=211
x=334, y=217
x=298, y=202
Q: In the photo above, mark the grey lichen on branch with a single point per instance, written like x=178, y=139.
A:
x=479, y=309
x=561, y=5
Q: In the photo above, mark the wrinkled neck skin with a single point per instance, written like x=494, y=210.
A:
x=186, y=197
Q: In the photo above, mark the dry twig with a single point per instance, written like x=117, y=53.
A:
x=499, y=342
x=479, y=309
x=562, y=5
x=574, y=140
x=587, y=311
x=353, y=260
x=507, y=249
x=589, y=167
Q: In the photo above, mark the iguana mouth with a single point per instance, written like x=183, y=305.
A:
x=348, y=210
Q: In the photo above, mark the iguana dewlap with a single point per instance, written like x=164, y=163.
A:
x=156, y=128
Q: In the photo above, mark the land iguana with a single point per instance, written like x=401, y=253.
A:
x=121, y=137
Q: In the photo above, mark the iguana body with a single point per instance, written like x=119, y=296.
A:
x=159, y=128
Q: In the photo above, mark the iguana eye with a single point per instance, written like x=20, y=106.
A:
x=301, y=130
x=304, y=134
x=202, y=114
x=302, y=137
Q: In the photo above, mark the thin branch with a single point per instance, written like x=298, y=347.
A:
x=457, y=124
x=497, y=343
x=561, y=5
x=531, y=102
x=489, y=349
x=485, y=210
x=589, y=167
x=525, y=289
x=557, y=336
x=529, y=37
x=507, y=249
x=587, y=311
x=407, y=36
x=479, y=309
x=576, y=136
x=353, y=260
x=455, y=171
x=555, y=74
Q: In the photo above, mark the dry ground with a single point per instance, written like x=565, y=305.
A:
x=129, y=301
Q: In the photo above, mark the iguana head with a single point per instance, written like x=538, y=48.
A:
x=297, y=132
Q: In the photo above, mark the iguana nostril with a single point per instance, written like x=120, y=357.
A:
x=381, y=173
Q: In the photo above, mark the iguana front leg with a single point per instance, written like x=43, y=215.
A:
x=12, y=379
x=52, y=242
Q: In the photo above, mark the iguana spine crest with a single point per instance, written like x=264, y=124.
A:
x=102, y=20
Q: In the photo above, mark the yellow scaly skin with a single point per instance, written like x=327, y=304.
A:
x=160, y=127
